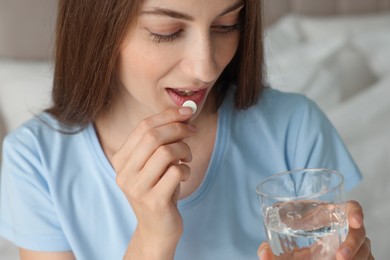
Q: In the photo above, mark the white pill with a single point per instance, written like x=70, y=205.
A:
x=191, y=104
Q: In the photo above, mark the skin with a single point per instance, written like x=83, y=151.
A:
x=159, y=151
x=154, y=179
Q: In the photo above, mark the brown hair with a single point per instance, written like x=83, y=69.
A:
x=88, y=38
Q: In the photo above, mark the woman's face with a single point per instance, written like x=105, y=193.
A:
x=176, y=51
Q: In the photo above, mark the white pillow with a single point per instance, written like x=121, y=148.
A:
x=364, y=114
x=351, y=69
x=303, y=69
x=326, y=71
x=322, y=28
x=25, y=89
x=283, y=35
x=376, y=47
x=297, y=64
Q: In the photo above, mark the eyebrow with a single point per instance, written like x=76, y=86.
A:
x=186, y=17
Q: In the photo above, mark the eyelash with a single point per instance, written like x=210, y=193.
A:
x=158, y=38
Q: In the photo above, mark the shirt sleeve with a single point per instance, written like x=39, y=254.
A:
x=318, y=145
x=27, y=215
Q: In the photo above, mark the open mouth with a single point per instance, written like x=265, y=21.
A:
x=179, y=96
x=184, y=93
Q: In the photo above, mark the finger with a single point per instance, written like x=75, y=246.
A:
x=170, y=180
x=352, y=244
x=355, y=214
x=262, y=247
x=264, y=252
x=160, y=161
x=171, y=115
x=364, y=251
x=156, y=138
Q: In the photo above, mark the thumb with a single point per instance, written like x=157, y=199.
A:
x=264, y=251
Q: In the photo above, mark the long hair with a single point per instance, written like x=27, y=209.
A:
x=89, y=34
x=246, y=68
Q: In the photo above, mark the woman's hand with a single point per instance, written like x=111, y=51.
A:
x=356, y=245
x=150, y=166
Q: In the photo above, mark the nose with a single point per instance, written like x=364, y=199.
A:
x=201, y=60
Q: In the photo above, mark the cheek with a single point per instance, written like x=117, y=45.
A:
x=140, y=65
x=225, y=49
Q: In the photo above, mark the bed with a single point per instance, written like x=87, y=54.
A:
x=337, y=52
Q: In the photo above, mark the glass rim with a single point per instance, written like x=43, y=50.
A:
x=310, y=196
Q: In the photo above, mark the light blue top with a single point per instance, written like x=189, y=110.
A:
x=58, y=191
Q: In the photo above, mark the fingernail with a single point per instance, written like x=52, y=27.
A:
x=346, y=252
x=358, y=219
x=185, y=111
x=263, y=253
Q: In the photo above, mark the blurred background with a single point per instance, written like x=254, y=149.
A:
x=337, y=52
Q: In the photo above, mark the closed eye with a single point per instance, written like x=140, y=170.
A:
x=159, y=38
x=226, y=28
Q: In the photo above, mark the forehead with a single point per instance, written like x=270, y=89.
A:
x=193, y=7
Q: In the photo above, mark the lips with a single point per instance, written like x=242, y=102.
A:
x=179, y=96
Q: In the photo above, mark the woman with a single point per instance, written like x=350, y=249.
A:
x=118, y=168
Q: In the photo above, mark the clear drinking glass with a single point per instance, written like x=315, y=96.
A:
x=304, y=213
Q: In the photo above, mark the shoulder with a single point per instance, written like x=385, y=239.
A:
x=39, y=136
x=283, y=102
x=278, y=107
x=280, y=116
x=42, y=126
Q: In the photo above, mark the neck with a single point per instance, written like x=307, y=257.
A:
x=115, y=124
x=113, y=129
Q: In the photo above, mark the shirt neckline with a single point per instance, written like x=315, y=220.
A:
x=102, y=158
x=215, y=160
x=212, y=169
